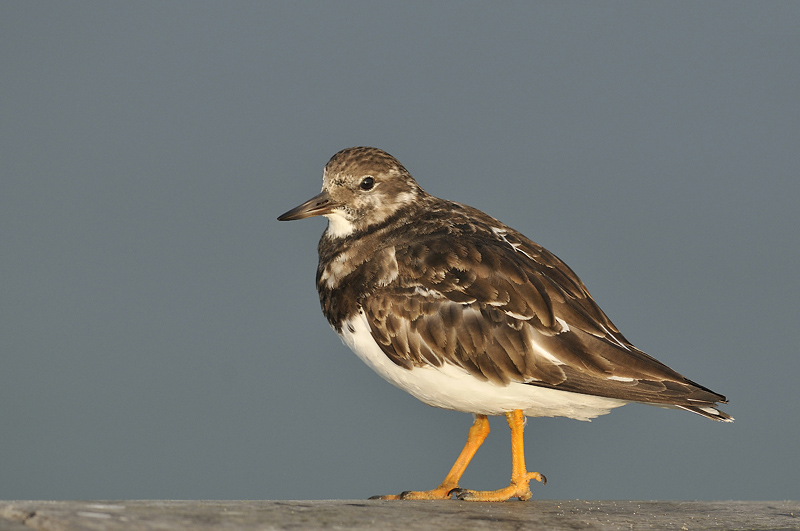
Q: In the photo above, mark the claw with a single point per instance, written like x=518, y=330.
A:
x=457, y=492
x=538, y=477
x=400, y=496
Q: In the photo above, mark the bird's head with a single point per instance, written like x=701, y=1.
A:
x=361, y=187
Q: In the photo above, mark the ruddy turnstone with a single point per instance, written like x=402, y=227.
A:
x=466, y=313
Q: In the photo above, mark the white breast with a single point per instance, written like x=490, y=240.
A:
x=451, y=387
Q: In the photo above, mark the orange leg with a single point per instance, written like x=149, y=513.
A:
x=477, y=434
x=520, y=477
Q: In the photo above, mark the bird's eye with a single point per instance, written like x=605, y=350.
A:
x=367, y=183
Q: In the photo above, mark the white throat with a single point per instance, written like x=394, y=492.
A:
x=338, y=225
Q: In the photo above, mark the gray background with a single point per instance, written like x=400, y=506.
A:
x=160, y=331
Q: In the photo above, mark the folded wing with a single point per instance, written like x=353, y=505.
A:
x=507, y=310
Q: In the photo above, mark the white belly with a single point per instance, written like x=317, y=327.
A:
x=451, y=387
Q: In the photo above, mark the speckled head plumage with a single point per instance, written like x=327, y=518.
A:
x=361, y=187
x=363, y=160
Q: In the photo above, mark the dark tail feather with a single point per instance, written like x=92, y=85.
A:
x=710, y=412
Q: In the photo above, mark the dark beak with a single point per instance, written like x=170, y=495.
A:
x=319, y=205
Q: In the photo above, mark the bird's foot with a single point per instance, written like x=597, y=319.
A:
x=519, y=488
x=442, y=492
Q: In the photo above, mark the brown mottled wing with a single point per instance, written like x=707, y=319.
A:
x=505, y=309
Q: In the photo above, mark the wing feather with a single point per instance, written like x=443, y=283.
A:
x=506, y=309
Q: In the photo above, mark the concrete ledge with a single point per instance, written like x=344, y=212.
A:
x=385, y=515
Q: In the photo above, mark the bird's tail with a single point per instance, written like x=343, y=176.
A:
x=710, y=412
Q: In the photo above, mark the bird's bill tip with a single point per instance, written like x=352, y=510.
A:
x=319, y=205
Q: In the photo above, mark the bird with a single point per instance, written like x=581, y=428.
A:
x=465, y=313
